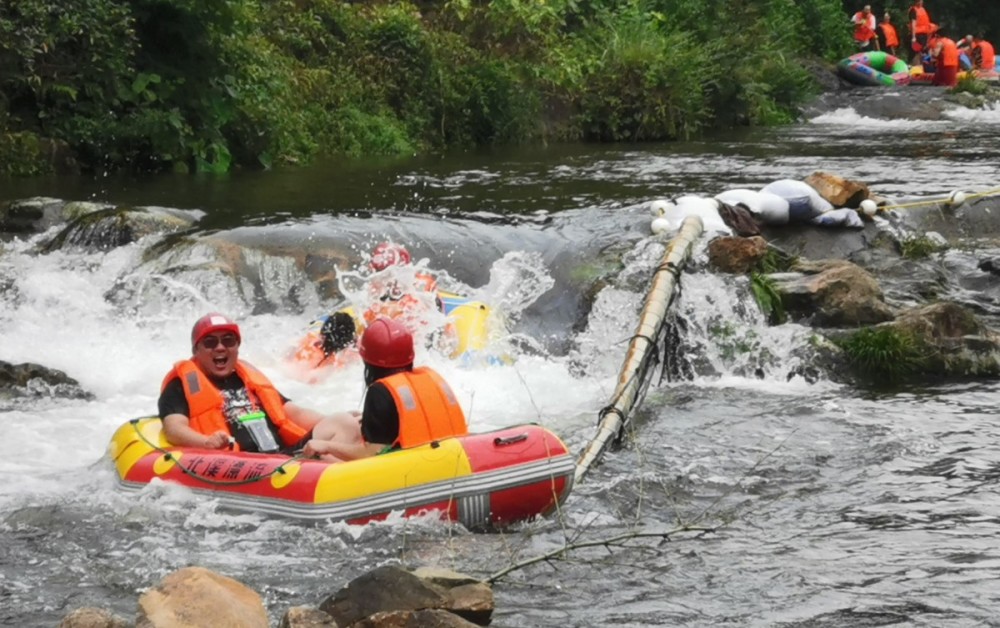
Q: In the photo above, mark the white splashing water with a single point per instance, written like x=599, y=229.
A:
x=55, y=311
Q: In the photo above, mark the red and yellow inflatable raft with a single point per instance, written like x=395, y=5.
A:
x=479, y=480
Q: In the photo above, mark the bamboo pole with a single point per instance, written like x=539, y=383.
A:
x=642, y=346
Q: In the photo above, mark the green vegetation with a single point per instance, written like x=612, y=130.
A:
x=732, y=343
x=918, y=247
x=884, y=354
x=767, y=297
x=969, y=84
x=208, y=85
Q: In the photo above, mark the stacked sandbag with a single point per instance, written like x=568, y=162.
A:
x=668, y=214
x=804, y=202
x=767, y=208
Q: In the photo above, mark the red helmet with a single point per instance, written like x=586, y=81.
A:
x=213, y=322
x=386, y=344
x=387, y=254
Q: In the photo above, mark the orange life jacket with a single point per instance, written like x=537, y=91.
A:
x=427, y=407
x=864, y=27
x=921, y=23
x=948, y=56
x=889, y=32
x=205, y=400
x=986, y=57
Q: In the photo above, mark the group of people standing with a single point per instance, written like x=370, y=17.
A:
x=931, y=48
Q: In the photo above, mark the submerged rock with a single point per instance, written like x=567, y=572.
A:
x=109, y=228
x=35, y=380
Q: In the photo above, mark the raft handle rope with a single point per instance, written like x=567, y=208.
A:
x=956, y=197
x=169, y=456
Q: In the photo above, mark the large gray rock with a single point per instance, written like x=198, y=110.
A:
x=35, y=380
x=391, y=589
x=956, y=342
x=832, y=293
x=111, y=227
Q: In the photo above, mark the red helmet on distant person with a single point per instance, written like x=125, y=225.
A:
x=213, y=322
x=388, y=254
x=386, y=344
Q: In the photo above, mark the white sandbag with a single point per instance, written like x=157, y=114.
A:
x=804, y=202
x=675, y=210
x=839, y=218
x=768, y=208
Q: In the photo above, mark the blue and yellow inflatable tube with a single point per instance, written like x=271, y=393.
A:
x=874, y=68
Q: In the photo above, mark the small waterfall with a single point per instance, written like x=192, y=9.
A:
x=717, y=329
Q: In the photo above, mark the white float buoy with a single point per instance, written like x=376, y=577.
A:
x=658, y=208
x=869, y=207
x=660, y=225
x=956, y=198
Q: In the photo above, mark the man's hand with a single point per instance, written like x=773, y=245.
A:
x=218, y=440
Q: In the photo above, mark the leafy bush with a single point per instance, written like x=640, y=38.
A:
x=211, y=84
x=884, y=354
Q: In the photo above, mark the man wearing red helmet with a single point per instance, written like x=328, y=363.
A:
x=214, y=400
x=404, y=406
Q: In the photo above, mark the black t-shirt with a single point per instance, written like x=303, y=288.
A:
x=237, y=401
x=379, y=417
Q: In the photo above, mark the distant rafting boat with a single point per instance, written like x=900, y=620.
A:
x=919, y=77
x=481, y=480
x=874, y=68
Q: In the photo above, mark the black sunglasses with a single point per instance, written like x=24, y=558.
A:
x=211, y=342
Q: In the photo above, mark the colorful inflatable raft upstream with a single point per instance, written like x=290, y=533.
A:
x=874, y=68
x=466, y=338
x=480, y=480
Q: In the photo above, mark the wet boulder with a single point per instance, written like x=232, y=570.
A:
x=92, y=618
x=956, y=343
x=306, y=617
x=112, y=227
x=401, y=593
x=432, y=618
x=34, y=380
x=38, y=214
x=193, y=597
x=839, y=191
x=831, y=293
x=736, y=255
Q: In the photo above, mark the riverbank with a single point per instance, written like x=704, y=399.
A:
x=214, y=86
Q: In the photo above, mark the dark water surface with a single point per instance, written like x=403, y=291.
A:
x=833, y=506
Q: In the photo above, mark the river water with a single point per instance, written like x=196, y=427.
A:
x=832, y=505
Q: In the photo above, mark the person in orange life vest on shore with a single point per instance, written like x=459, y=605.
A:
x=864, y=28
x=945, y=54
x=920, y=27
x=214, y=400
x=888, y=35
x=980, y=51
x=403, y=407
